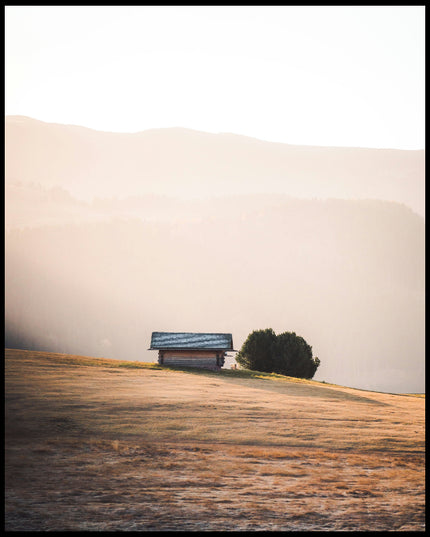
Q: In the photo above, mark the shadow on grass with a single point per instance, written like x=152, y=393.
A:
x=274, y=382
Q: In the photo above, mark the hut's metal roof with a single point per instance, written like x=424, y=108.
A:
x=191, y=340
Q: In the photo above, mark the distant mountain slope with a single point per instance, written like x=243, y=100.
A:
x=348, y=276
x=188, y=163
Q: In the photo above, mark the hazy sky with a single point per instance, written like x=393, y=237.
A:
x=314, y=75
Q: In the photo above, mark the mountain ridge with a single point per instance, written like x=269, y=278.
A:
x=189, y=163
x=22, y=119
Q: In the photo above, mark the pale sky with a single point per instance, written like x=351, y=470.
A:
x=314, y=75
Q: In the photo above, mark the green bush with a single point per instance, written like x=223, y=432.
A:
x=286, y=354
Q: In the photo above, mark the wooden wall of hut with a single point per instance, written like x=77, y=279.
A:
x=193, y=358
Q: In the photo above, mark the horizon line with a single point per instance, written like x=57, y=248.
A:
x=209, y=133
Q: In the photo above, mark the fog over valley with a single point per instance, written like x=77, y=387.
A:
x=110, y=237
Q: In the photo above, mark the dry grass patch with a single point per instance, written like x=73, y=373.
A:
x=151, y=449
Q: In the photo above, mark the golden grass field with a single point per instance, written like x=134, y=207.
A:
x=97, y=444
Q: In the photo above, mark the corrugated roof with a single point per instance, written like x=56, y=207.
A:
x=191, y=340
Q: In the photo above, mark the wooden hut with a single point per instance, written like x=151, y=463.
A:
x=191, y=349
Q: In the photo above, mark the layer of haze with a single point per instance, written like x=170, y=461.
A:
x=112, y=236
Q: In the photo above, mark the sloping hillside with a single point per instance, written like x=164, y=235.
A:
x=114, y=445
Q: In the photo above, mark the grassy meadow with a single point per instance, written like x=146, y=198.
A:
x=113, y=445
